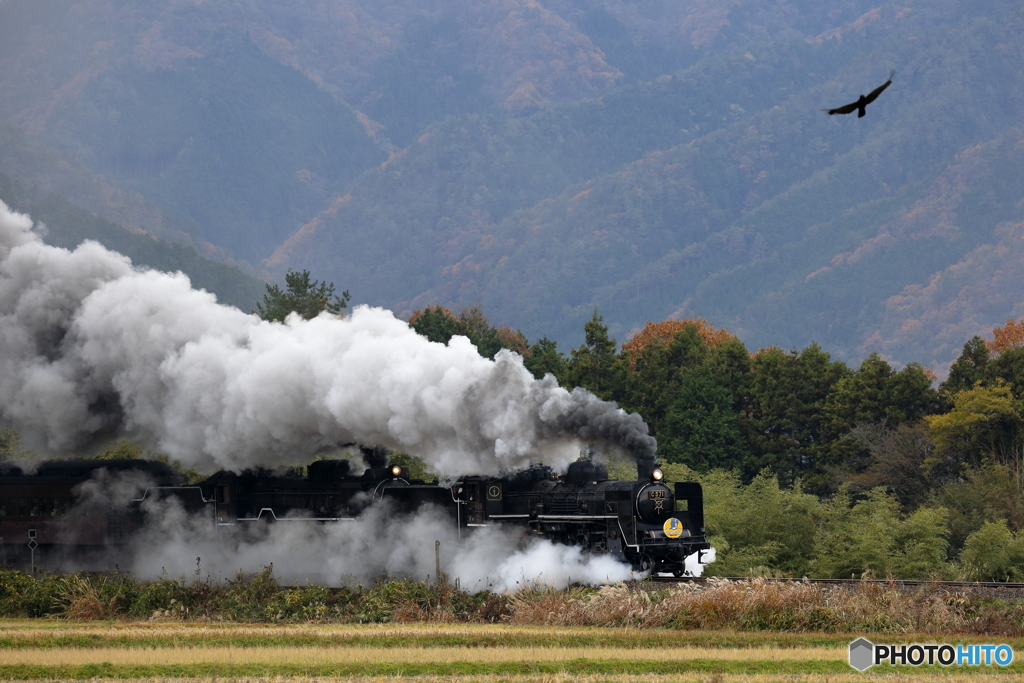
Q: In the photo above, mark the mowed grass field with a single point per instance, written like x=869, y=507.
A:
x=154, y=650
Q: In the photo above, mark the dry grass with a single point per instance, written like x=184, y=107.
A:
x=315, y=656
x=81, y=599
x=753, y=605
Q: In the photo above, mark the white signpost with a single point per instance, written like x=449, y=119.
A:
x=32, y=545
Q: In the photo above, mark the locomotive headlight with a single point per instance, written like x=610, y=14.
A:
x=396, y=470
x=657, y=474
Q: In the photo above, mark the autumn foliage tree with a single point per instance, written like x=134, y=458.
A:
x=666, y=330
x=1009, y=336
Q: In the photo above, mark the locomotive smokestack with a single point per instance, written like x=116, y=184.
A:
x=89, y=345
x=644, y=468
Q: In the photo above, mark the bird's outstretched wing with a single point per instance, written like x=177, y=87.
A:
x=845, y=109
x=862, y=102
x=878, y=91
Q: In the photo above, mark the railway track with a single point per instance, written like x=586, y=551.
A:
x=898, y=583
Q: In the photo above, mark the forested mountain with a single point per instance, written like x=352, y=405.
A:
x=66, y=225
x=543, y=159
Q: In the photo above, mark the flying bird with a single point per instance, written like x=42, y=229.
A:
x=863, y=101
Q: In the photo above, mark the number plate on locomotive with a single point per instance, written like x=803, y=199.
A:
x=657, y=494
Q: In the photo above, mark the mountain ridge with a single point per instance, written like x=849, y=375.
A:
x=546, y=159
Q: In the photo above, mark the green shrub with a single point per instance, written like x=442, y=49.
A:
x=161, y=596
x=22, y=595
x=249, y=596
x=993, y=553
x=309, y=604
x=378, y=604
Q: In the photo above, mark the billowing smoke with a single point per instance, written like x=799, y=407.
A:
x=90, y=346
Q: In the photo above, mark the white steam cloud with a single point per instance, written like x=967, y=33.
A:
x=91, y=346
x=358, y=552
x=379, y=543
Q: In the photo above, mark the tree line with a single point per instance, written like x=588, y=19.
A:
x=812, y=467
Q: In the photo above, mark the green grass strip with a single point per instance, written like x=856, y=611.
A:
x=599, y=638
x=575, y=667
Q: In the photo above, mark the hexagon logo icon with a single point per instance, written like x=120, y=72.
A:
x=862, y=654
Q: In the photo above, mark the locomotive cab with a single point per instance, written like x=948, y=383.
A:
x=479, y=501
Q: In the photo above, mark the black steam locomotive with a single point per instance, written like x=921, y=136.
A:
x=644, y=523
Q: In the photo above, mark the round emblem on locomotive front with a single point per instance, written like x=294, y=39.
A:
x=673, y=527
x=494, y=492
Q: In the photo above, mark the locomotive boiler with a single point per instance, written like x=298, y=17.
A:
x=328, y=491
